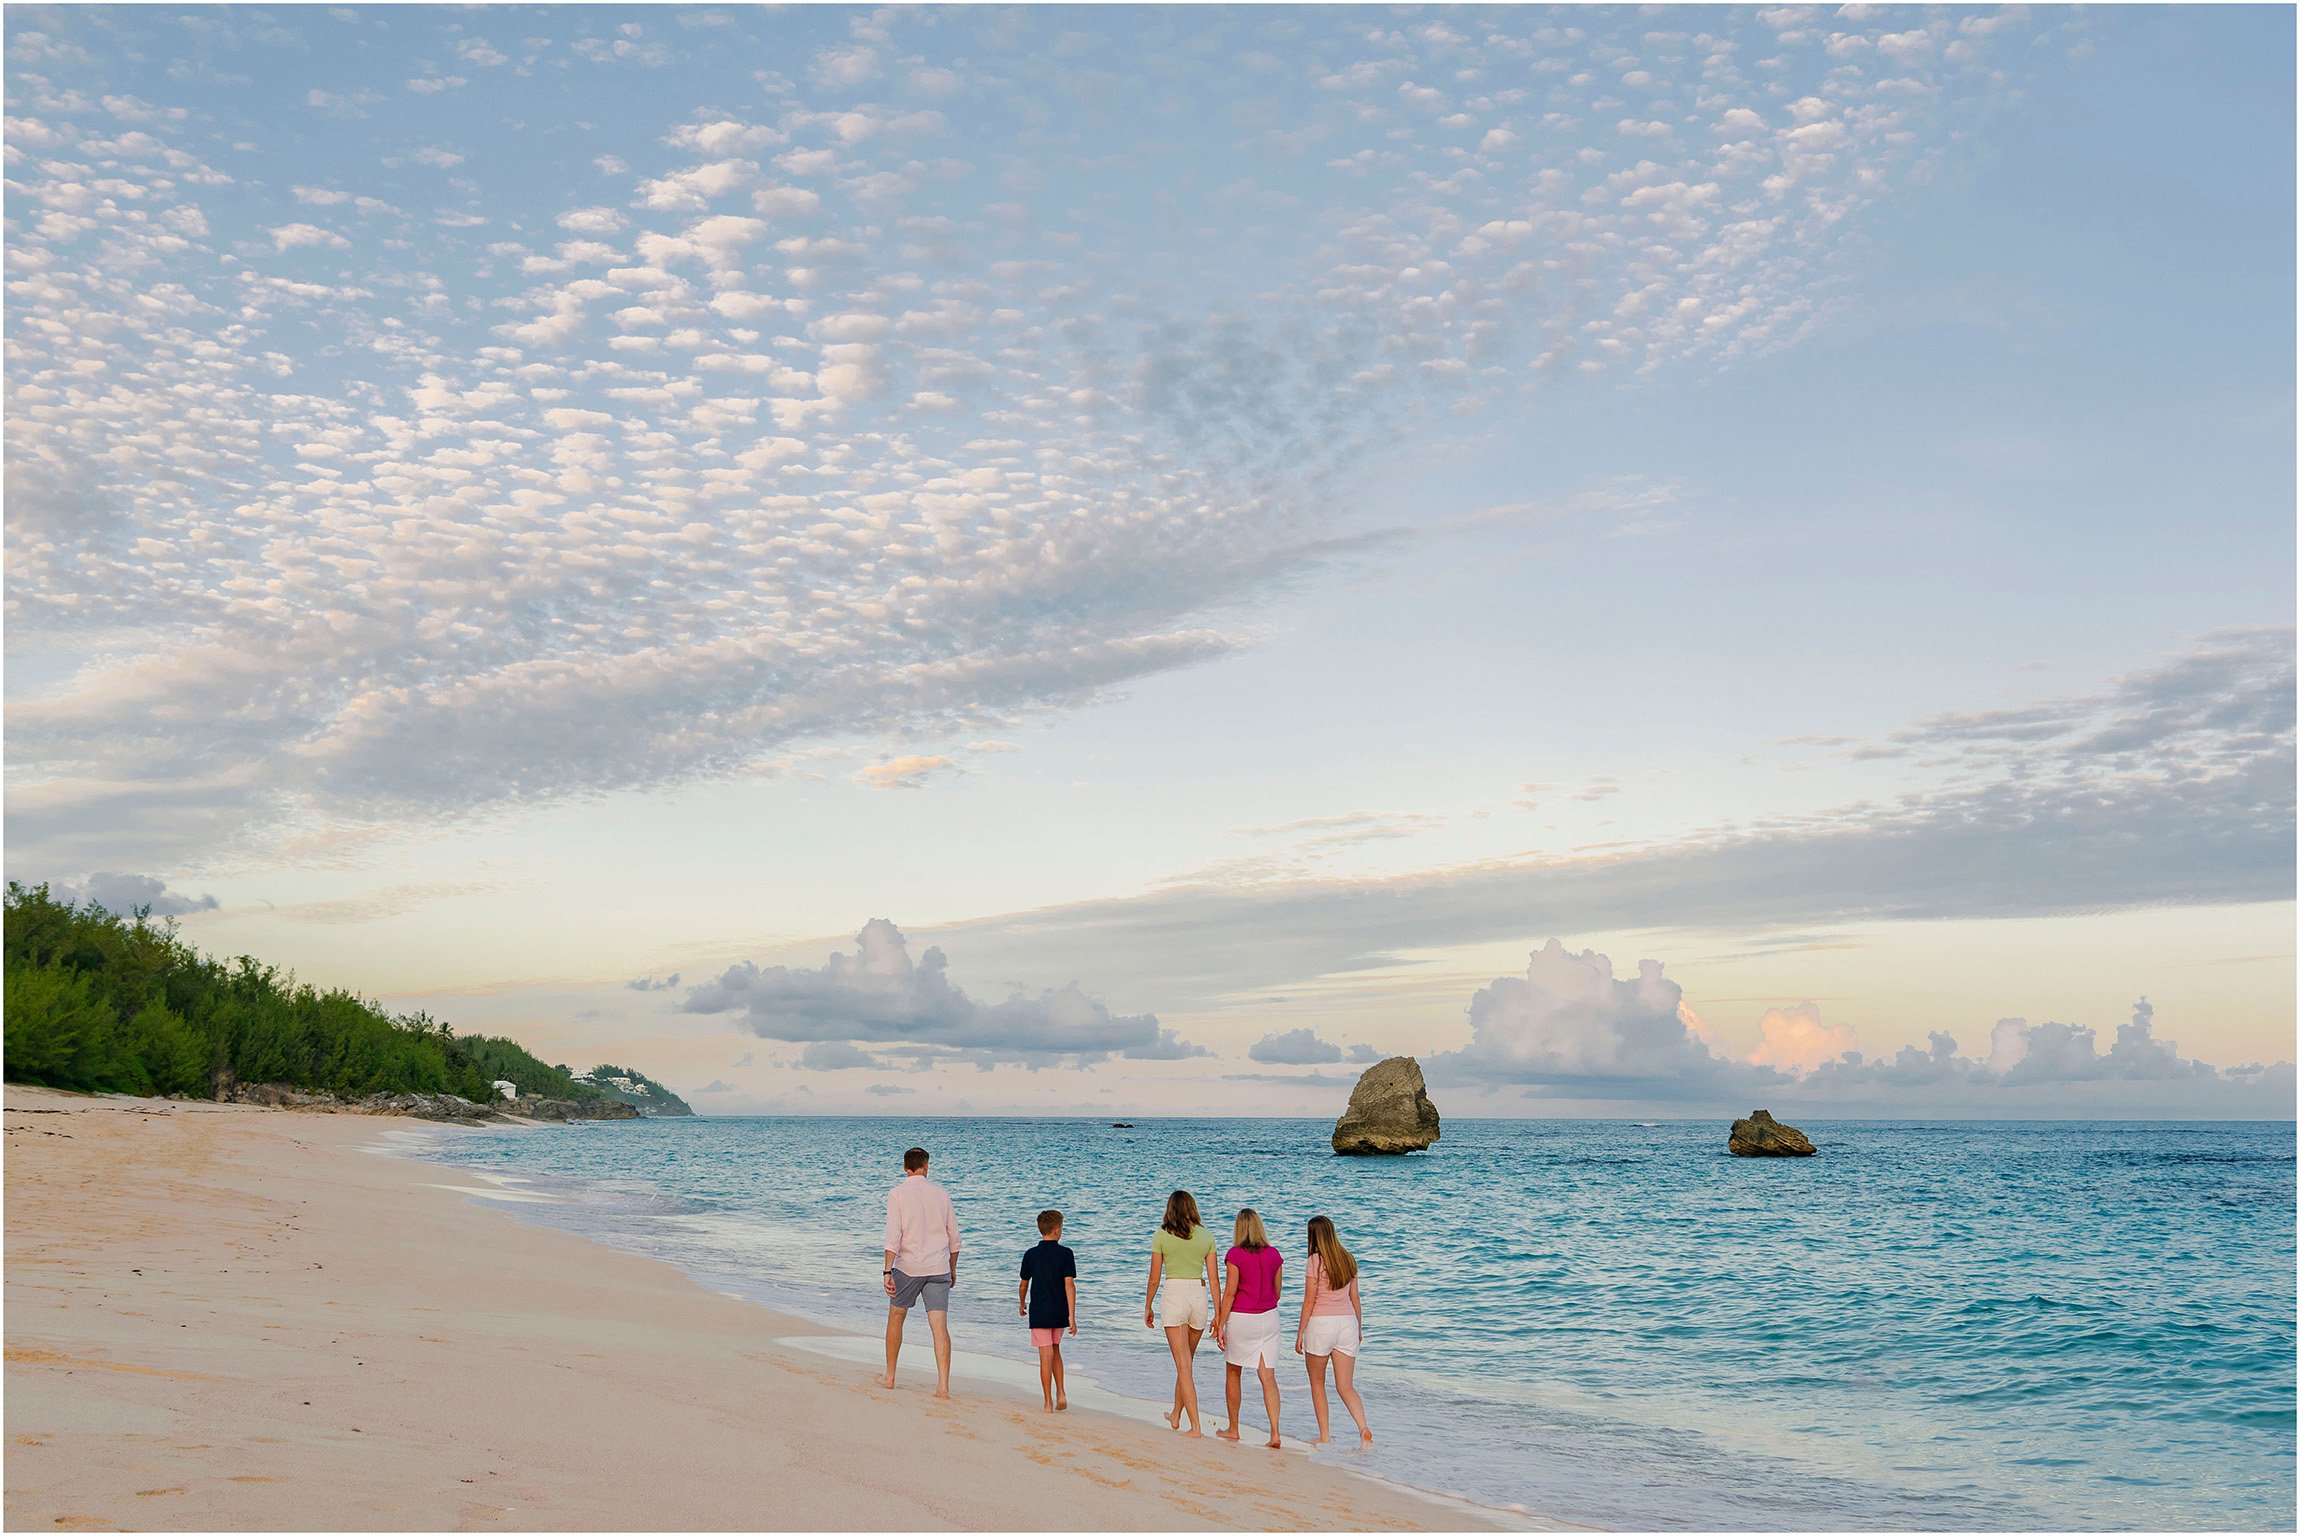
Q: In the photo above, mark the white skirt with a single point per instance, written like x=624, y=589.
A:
x=1327, y=1332
x=1252, y=1340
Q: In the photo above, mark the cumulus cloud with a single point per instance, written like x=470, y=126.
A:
x=2060, y=1069
x=126, y=894
x=881, y=996
x=1795, y=1039
x=1568, y=1020
x=1571, y=1030
x=1295, y=1047
x=649, y=984
x=1362, y=1052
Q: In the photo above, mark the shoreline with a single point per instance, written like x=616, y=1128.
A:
x=841, y=1340
x=223, y=1316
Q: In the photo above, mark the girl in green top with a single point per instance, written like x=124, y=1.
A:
x=1183, y=1285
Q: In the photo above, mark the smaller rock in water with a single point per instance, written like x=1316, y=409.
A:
x=1763, y=1136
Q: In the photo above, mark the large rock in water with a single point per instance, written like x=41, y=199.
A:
x=1763, y=1136
x=1390, y=1111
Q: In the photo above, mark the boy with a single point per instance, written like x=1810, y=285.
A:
x=1049, y=1299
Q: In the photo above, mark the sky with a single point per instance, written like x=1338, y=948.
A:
x=1048, y=560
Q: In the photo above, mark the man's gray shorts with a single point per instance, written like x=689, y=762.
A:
x=908, y=1289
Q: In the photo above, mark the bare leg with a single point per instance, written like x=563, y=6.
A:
x=894, y=1321
x=1269, y=1401
x=1061, y=1395
x=939, y=1322
x=1046, y=1368
x=1184, y=1343
x=1231, y=1377
x=1318, y=1395
x=1346, y=1367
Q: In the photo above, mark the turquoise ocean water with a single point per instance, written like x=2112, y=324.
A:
x=2060, y=1325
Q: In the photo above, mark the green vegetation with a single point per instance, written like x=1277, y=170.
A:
x=635, y=1088
x=101, y=1002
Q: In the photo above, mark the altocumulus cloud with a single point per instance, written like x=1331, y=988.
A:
x=862, y=476
x=1569, y=1028
x=910, y=1008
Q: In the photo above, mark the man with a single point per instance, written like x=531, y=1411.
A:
x=921, y=1262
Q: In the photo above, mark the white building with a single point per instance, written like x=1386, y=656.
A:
x=506, y=1089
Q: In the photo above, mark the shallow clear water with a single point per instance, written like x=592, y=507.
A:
x=1942, y=1325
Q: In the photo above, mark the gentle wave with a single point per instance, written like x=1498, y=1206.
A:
x=2078, y=1326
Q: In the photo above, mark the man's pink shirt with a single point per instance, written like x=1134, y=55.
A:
x=921, y=1228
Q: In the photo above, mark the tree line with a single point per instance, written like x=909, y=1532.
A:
x=105, y=1002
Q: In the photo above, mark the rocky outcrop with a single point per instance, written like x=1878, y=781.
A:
x=449, y=1107
x=424, y=1106
x=1390, y=1111
x=575, y=1109
x=1763, y=1136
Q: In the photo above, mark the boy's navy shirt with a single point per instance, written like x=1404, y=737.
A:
x=1046, y=1267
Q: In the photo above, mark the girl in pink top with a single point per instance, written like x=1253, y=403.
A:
x=1332, y=1324
x=1253, y=1271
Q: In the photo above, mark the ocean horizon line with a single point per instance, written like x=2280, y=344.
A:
x=1134, y=1117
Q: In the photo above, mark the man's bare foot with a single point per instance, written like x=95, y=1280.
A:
x=886, y=1381
x=1365, y=1437
x=1323, y=1440
x=1061, y=1404
x=942, y=1392
x=1276, y=1444
x=1049, y=1408
x=1192, y=1433
x=1226, y=1434
x=1174, y=1419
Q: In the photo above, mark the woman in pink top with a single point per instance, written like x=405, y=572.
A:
x=1249, y=1318
x=1332, y=1324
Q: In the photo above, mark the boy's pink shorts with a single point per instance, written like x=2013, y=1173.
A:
x=1045, y=1338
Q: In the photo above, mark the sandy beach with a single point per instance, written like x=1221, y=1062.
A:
x=225, y=1317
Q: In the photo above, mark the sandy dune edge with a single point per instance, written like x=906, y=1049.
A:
x=221, y=1317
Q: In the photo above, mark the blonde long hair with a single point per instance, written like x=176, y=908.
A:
x=1326, y=1247
x=1248, y=1232
x=1181, y=1214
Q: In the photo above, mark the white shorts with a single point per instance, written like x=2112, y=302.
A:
x=1327, y=1332
x=1183, y=1304
x=1252, y=1341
